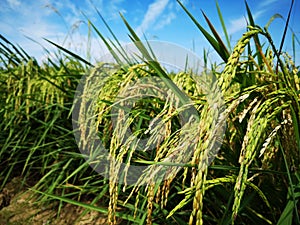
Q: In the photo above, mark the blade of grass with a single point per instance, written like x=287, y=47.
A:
x=89, y=206
x=284, y=33
x=286, y=217
x=116, y=57
x=272, y=19
x=10, y=55
x=217, y=36
x=293, y=47
x=112, y=47
x=292, y=193
x=256, y=39
x=223, y=25
x=70, y=53
x=154, y=64
x=215, y=44
x=14, y=47
x=124, y=54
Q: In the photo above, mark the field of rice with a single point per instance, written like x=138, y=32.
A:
x=220, y=148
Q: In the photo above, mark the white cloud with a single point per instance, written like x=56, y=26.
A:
x=154, y=11
x=240, y=24
x=266, y=3
x=34, y=21
x=237, y=25
x=166, y=20
x=14, y=3
x=60, y=23
x=29, y=19
x=108, y=9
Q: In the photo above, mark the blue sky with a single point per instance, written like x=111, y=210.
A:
x=63, y=22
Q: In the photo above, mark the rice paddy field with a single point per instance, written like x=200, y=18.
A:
x=234, y=160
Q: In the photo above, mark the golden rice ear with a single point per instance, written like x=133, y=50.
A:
x=112, y=207
x=150, y=197
x=230, y=69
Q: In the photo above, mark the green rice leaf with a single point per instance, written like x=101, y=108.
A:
x=224, y=50
x=214, y=43
x=276, y=16
x=223, y=26
x=256, y=39
x=70, y=53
